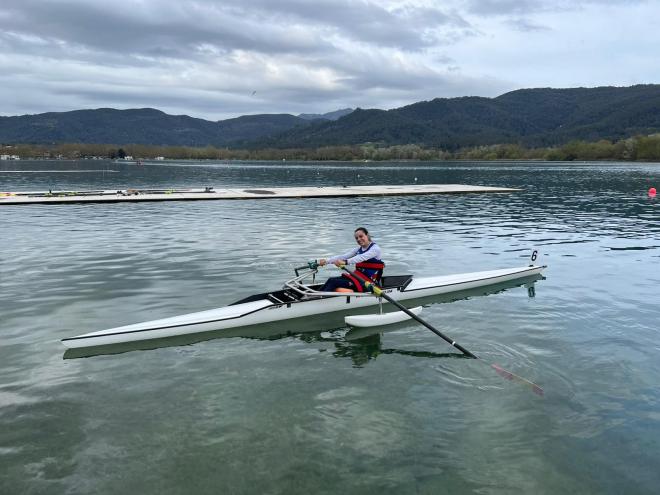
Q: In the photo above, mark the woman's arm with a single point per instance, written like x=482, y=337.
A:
x=344, y=256
x=373, y=252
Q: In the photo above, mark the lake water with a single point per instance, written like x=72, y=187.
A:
x=307, y=406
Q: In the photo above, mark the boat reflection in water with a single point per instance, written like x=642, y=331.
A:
x=359, y=344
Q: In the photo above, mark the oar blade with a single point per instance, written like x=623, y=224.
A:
x=512, y=376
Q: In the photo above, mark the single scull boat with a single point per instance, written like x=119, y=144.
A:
x=296, y=300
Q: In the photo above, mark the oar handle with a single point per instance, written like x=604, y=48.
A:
x=311, y=265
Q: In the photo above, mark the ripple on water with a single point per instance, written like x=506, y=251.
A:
x=391, y=412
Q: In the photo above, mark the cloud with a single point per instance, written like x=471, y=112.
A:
x=174, y=28
x=206, y=58
x=518, y=7
x=521, y=24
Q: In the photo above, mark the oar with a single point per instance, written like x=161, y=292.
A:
x=371, y=287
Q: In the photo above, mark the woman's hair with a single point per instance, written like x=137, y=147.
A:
x=363, y=229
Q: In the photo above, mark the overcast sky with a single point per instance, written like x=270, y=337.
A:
x=221, y=59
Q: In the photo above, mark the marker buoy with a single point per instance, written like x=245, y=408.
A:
x=652, y=192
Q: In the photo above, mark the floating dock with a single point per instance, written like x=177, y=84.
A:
x=208, y=193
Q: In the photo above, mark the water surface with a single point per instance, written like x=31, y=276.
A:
x=308, y=407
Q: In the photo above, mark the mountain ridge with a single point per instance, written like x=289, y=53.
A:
x=528, y=117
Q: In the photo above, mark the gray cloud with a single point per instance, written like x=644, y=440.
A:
x=206, y=58
x=518, y=7
x=521, y=24
x=171, y=28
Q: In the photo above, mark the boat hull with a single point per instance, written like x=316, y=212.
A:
x=267, y=311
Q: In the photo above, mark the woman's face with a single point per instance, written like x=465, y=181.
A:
x=362, y=239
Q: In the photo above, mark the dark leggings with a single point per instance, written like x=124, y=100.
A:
x=337, y=282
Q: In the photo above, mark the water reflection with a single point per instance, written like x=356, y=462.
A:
x=365, y=349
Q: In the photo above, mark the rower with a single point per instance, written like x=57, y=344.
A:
x=368, y=265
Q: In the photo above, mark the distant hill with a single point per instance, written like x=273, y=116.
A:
x=532, y=117
x=326, y=116
x=107, y=125
x=251, y=127
x=140, y=126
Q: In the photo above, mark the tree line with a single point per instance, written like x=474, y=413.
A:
x=642, y=148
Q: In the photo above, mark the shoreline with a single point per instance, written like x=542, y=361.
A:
x=167, y=161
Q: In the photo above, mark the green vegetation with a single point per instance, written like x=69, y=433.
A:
x=532, y=118
x=141, y=126
x=642, y=148
x=529, y=118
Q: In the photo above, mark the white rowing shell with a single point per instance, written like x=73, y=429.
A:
x=380, y=319
x=256, y=312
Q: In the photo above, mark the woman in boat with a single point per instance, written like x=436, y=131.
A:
x=368, y=265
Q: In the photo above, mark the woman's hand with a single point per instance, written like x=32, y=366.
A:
x=322, y=262
x=340, y=263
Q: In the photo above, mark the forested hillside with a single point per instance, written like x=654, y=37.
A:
x=529, y=117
